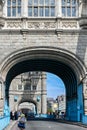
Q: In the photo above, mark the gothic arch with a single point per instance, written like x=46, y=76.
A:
x=55, y=60
x=64, y=64
x=27, y=100
x=54, y=54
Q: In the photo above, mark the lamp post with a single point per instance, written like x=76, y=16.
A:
x=58, y=105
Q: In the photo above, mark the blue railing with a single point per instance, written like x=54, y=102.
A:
x=4, y=121
x=44, y=116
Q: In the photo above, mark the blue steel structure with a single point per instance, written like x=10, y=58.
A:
x=75, y=113
x=5, y=119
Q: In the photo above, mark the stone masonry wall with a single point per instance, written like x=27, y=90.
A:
x=73, y=41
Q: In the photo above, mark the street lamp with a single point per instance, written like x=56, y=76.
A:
x=58, y=105
x=15, y=98
x=38, y=98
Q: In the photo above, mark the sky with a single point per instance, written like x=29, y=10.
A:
x=55, y=86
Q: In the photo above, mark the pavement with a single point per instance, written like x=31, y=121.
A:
x=13, y=122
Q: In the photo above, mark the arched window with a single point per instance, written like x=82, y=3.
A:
x=19, y=87
x=13, y=8
x=27, y=86
x=41, y=8
x=34, y=87
x=69, y=8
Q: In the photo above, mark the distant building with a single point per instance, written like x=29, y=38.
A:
x=61, y=104
x=52, y=104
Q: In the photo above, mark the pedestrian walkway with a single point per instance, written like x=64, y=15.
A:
x=12, y=123
x=14, y=126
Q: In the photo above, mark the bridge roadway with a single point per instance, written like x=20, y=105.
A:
x=48, y=125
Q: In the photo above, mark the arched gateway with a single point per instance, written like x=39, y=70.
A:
x=27, y=106
x=58, y=61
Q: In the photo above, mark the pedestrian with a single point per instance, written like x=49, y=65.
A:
x=22, y=122
x=19, y=113
x=16, y=115
x=11, y=117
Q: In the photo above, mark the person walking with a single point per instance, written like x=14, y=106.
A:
x=22, y=122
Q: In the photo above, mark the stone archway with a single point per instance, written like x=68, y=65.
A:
x=58, y=61
x=25, y=107
x=53, y=53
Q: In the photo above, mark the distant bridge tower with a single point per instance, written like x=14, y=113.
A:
x=29, y=87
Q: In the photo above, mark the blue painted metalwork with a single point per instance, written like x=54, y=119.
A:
x=6, y=109
x=75, y=107
x=81, y=116
x=80, y=107
x=84, y=120
x=71, y=113
x=4, y=121
x=44, y=116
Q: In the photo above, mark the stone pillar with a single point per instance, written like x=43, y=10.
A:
x=83, y=19
x=24, y=9
x=5, y=9
x=43, y=93
x=59, y=14
x=2, y=21
x=85, y=95
x=1, y=98
x=38, y=108
x=1, y=7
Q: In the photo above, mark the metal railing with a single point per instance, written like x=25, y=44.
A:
x=4, y=121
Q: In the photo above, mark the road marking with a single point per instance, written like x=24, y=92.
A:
x=49, y=127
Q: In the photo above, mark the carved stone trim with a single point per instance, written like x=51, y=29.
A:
x=69, y=24
x=41, y=25
x=25, y=23
x=14, y=24
x=24, y=32
x=58, y=32
x=2, y=22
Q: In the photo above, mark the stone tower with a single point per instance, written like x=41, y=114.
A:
x=29, y=87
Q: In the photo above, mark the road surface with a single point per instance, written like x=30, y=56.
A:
x=48, y=125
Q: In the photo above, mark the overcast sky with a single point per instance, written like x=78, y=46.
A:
x=55, y=86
